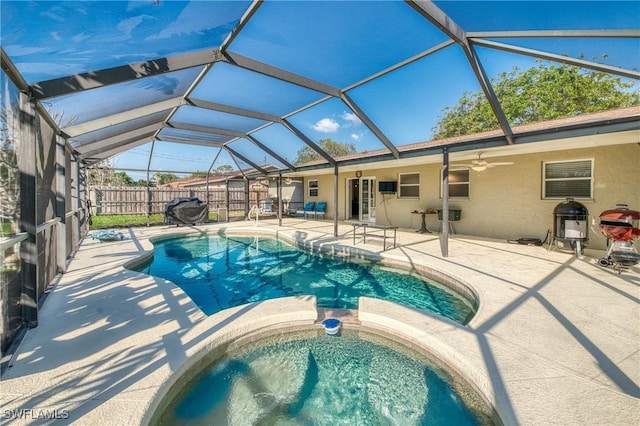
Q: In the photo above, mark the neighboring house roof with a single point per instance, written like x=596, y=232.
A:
x=180, y=183
x=213, y=179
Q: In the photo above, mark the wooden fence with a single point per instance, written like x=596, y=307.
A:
x=126, y=200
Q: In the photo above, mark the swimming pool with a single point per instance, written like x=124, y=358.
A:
x=219, y=272
x=306, y=377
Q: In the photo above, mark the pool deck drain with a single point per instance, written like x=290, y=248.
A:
x=555, y=340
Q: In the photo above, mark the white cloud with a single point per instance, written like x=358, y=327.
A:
x=53, y=14
x=351, y=118
x=79, y=38
x=197, y=17
x=356, y=137
x=326, y=125
x=126, y=26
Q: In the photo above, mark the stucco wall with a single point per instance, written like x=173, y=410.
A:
x=505, y=202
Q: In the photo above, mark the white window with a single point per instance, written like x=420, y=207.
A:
x=458, y=183
x=567, y=179
x=313, y=187
x=409, y=185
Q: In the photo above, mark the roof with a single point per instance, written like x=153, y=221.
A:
x=188, y=85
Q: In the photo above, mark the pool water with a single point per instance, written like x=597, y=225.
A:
x=220, y=272
x=323, y=380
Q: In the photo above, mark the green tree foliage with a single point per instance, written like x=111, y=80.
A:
x=220, y=170
x=164, y=178
x=331, y=147
x=104, y=174
x=199, y=175
x=538, y=94
x=122, y=179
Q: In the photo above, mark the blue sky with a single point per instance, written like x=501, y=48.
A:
x=338, y=45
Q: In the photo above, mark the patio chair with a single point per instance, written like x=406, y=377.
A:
x=309, y=207
x=320, y=210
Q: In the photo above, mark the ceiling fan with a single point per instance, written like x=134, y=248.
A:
x=481, y=164
x=289, y=180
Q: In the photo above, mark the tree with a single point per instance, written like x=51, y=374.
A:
x=144, y=183
x=164, y=178
x=331, y=147
x=103, y=174
x=122, y=179
x=199, y=175
x=9, y=170
x=538, y=94
x=222, y=169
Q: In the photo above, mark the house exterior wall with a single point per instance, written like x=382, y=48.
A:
x=505, y=202
x=292, y=193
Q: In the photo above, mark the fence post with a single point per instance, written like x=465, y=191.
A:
x=97, y=201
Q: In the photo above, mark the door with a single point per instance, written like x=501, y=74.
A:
x=368, y=199
x=353, y=199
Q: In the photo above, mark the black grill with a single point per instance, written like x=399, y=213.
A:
x=186, y=211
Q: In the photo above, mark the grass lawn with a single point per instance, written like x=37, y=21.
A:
x=124, y=221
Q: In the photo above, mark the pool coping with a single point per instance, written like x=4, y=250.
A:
x=539, y=328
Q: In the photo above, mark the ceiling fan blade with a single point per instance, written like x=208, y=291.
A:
x=504, y=163
x=481, y=164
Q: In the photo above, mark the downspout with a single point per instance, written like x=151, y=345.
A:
x=444, y=234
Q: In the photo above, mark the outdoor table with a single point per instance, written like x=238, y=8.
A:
x=423, y=226
x=384, y=236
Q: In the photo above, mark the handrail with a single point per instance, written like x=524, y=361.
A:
x=48, y=224
x=72, y=212
x=11, y=241
x=8, y=242
x=256, y=210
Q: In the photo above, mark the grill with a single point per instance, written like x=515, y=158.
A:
x=570, y=231
x=620, y=226
x=185, y=211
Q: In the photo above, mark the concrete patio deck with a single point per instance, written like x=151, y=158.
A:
x=555, y=341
